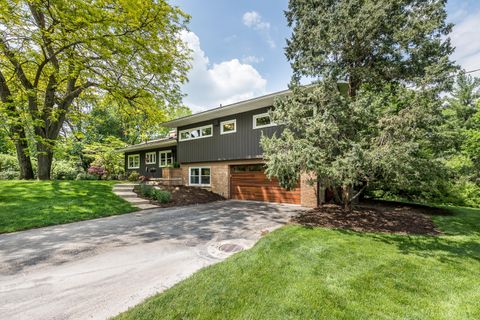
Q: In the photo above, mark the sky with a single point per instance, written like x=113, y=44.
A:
x=238, y=47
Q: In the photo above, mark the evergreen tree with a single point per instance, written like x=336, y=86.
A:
x=360, y=125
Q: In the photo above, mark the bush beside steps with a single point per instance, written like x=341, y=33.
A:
x=153, y=193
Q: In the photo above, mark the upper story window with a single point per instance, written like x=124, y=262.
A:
x=262, y=121
x=133, y=161
x=150, y=158
x=229, y=126
x=196, y=133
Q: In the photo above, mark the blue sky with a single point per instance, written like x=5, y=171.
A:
x=238, y=47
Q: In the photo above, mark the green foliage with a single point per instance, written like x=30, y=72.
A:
x=86, y=176
x=79, y=54
x=8, y=163
x=379, y=139
x=370, y=41
x=163, y=196
x=359, y=125
x=146, y=190
x=9, y=175
x=133, y=176
x=64, y=170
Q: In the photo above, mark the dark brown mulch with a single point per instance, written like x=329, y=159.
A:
x=373, y=216
x=184, y=196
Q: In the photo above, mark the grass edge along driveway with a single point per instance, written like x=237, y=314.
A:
x=317, y=273
x=33, y=204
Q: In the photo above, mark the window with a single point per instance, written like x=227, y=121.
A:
x=196, y=133
x=229, y=126
x=262, y=121
x=199, y=176
x=150, y=157
x=166, y=158
x=133, y=161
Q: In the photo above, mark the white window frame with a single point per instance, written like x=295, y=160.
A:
x=234, y=121
x=199, y=184
x=193, y=129
x=166, y=164
x=154, y=157
x=133, y=156
x=261, y=115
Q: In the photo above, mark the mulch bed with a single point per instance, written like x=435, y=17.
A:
x=374, y=216
x=184, y=196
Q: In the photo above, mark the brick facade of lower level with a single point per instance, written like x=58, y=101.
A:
x=220, y=179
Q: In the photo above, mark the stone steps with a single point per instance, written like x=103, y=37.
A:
x=125, y=191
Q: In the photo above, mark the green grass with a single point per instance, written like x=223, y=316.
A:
x=302, y=273
x=32, y=204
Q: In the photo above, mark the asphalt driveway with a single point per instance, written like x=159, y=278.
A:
x=96, y=269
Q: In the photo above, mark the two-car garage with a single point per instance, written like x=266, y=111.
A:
x=249, y=182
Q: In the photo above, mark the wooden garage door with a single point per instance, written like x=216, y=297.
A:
x=252, y=184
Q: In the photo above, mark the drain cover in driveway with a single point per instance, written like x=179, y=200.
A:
x=230, y=247
x=225, y=248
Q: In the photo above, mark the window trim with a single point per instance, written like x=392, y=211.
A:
x=261, y=115
x=234, y=121
x=160, y=158
x=131, y=156
x=154, y=158
x=193, y=129
x=199, y=177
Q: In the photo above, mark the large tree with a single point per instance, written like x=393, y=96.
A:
x=55, y=52
x=360, y=123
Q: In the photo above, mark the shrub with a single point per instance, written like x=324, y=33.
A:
x=147, y=191
x=9, y=175
x=8, y=163
x=133, y=176
x=86, y=176
x=97, y=171
x=64, y=170
x=163, y=196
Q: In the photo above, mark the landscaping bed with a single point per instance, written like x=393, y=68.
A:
x=182, y=196
x=374, y=216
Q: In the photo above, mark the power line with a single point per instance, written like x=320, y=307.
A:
x=471, y=71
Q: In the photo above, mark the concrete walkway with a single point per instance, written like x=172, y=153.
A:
x=96, y=269
x=125, y=191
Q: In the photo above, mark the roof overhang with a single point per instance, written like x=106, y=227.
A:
x=224, y=111
x=150, y=145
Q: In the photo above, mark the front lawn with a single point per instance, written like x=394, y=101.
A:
x=318, y=273
x=32, y=204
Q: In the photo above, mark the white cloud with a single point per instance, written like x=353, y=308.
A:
x=252, y=59
x=253, y=19
x=466, y=39
x=221, y=83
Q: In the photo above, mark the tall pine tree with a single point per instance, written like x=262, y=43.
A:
x=360, y=124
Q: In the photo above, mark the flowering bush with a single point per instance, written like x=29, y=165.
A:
x=97, y=171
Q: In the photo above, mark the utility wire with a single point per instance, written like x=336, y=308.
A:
x=471, y=71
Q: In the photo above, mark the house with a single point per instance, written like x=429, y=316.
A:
x=220, y=150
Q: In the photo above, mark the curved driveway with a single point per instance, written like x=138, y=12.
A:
x=96, y=269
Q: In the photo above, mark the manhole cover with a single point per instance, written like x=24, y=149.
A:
x=230, y=247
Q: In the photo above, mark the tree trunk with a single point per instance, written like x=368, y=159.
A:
x=346, y=197
x=23, y=157
x=45, y=157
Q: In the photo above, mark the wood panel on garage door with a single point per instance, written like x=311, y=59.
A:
x=256, y=186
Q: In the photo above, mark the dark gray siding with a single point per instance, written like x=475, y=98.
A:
x=243, y=144
x=150, y=170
